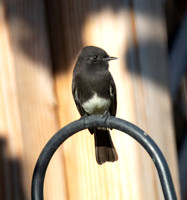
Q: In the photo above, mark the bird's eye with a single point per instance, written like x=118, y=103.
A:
x=95, y=57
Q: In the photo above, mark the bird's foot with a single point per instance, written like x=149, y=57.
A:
x=83, y=118
x=106, y=115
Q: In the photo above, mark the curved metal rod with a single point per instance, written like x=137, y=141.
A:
x=98, y=121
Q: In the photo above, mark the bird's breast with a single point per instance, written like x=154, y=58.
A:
x=96, y=105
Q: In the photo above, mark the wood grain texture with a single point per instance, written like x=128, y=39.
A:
x=27, y=101
x=11, y=143
x=135, y=33
x=149, y=56
x=36, y=99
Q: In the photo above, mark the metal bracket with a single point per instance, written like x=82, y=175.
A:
x=110, y=122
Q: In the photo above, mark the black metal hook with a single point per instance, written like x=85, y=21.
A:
x=98, y=121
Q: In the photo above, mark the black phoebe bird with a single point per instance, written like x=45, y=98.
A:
x=94, y=92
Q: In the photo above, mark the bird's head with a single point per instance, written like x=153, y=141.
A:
x=94, y=56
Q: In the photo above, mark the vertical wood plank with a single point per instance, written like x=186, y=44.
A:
x=149, y=52
x=27, y=100
x=11, y=143
x=143, y=96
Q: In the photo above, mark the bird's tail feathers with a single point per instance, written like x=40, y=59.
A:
x=104, y=148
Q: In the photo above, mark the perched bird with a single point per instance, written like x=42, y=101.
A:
x=94, y=93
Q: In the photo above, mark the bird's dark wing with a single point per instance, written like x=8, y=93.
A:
x=113, y=106
x=76, y=95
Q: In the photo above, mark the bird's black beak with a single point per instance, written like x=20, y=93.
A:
x=109, y=58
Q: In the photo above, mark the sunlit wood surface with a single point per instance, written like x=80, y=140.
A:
x=39, y=44
x=27, y=105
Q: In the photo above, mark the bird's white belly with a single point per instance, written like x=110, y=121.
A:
x=96, y=105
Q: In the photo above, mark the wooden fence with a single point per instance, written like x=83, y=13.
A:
x=39, y=43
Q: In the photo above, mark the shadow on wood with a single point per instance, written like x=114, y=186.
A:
x=11, y=177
